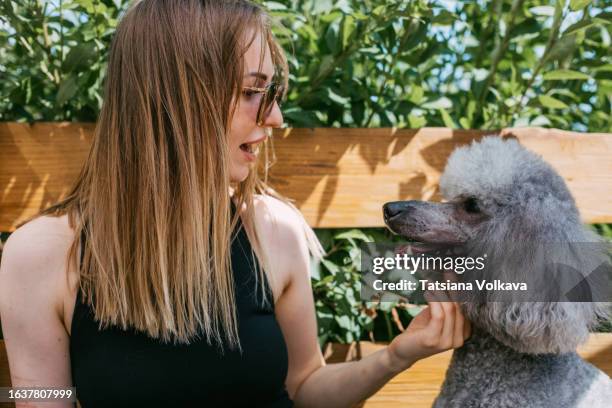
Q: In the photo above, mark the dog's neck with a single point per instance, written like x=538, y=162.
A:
x=481, y=342
x=485, y=368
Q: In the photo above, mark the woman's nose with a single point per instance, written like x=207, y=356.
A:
x=275, y=118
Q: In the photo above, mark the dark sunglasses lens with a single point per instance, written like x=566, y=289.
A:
x=280, y=92
x=274, y=93
x=269, y=99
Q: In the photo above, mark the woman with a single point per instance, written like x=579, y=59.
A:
x=142, y=287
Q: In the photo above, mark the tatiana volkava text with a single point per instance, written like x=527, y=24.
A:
x=448, y=285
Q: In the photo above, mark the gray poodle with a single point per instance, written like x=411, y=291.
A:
x=504, y=200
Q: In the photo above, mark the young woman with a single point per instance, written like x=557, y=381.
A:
x=151, y=283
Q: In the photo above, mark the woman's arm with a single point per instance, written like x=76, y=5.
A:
x=30, y=310
x=312, y=383
x=346, y=384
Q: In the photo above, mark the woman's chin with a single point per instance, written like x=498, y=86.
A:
x=239, y=173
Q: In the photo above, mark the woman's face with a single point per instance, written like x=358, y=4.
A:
x=245, y=136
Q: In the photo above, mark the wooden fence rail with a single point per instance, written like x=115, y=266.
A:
x=337, y=177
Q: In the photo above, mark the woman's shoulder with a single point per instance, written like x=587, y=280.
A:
x=281, y=222
x=34, y=257
x=286, y=233
x=276, y=211
x=37, y=242
x=32, y=302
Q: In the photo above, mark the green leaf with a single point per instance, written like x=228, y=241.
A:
x=68, y=88
x=444, y=18
x=347, y=29
x=562, y=49
x=418, y=34
x=581, y=25
x=564, y=74
x=576, y=5
x=79, y=56
x=358, y=112
x=359, y=15
x=331, y=267
x=315, y=268
x=543, y=10
x=527, y=26
x=605, y=16
x=386, y=306
x=331, y=38
x=415, y=310
x=440, y=103
x=605, y=67
x=540, y=120
x=379, y=10
x=322, y=7
x=334, y=97
x=87, y=5
x=471, y=109
x=353, y=234
x=446, y=118
x=301, y=117
x=325, y=238
x=550, y=102
x=326, y=63
x=327, y=280
x=416, y=122
x=416, y=94
x=275, y=6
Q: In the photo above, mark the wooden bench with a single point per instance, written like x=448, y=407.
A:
x=338, y=178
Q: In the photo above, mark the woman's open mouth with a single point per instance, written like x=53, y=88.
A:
x=250, y=150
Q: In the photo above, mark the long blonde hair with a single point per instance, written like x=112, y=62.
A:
x=152, y=197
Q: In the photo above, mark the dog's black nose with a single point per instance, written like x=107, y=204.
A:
x=395, y=207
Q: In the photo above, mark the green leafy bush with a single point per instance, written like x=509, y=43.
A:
x=479, y=64
x=354, y=63
x=53, y=57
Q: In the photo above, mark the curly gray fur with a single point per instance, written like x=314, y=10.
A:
x=522, y=354
x=485, y=373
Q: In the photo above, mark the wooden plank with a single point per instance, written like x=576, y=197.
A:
x=337, y=177
x=38, y=164
x=341, y=177
x=5, y=378
x=418, y=386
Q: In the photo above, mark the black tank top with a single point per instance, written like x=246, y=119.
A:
x=113, y=367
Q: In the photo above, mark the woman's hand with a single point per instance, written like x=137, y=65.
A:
x=439, y=327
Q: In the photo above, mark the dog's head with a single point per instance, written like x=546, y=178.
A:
x=501, y=198
x=496, y=186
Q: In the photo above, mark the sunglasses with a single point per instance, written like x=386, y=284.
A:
x=273, y=92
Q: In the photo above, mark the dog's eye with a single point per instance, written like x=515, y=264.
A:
x=471, y=206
